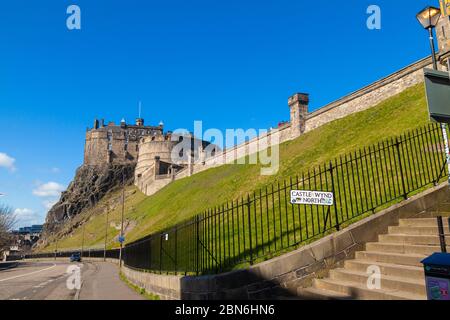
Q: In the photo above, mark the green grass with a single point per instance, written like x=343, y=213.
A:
x=187, y=197
x=141, y=291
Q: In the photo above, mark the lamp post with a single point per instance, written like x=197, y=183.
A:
x=82, y=241
x=121, y=238
x=106, y=232
x=429, y=18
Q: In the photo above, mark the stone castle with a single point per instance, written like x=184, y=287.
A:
x=111, y=143
x=148, y=147
x=144, y=153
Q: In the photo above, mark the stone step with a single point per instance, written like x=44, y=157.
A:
x=421, y=222
x=413, y=286
x=416, y=230
x=395, y=258
x=404, y=248
x=390, y=269
x=410, y=239
x=321, y=294
x=358, y=291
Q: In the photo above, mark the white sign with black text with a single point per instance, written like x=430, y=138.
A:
x=318, y=198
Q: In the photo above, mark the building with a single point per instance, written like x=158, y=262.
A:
x=109, y=144
x=34, y=229
x=146, y=146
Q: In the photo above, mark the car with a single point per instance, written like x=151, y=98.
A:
x=76, y=257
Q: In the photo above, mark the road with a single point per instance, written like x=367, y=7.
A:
x=47, y=280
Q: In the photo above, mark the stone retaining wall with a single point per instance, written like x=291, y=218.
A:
x=282, y=276
x=166, y=287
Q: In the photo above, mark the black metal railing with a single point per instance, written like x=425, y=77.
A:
x=265, y=223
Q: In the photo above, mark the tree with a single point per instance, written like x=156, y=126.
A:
x=7, y=223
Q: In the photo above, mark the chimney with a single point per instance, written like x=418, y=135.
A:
x=298, y=105
x=95, y=124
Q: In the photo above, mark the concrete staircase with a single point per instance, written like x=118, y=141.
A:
x=397, y=254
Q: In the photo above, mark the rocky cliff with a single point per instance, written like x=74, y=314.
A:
x=90, y=185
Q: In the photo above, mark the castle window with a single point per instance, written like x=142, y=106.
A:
x=137, y=148
x=110, y=141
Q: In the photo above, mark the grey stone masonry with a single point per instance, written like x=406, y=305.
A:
x=298, y=105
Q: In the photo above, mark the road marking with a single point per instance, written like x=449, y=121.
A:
x=28, y=274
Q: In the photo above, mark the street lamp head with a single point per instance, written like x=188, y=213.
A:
x=429, y=17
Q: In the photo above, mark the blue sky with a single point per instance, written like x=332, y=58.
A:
x=231, y=64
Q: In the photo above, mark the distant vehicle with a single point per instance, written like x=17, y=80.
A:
x=76, y=257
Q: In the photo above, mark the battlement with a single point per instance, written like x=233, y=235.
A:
x=118, y=144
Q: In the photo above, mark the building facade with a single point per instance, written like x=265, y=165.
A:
x=116, y=144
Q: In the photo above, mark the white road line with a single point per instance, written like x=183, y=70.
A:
x=28, y=274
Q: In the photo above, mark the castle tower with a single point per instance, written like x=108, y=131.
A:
x=443, y=39
x=298, y=105
x=116, y=144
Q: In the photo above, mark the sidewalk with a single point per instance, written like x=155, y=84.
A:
x=101, y=281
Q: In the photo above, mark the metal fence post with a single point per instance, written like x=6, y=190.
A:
x=197, y=222
x=446, y=148
x=334, y=198
x=397, y=145
x=441, y=234
x=176, y=250
x=160, y=252
x=250, y=229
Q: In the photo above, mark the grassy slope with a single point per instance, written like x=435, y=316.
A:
x=187, y=197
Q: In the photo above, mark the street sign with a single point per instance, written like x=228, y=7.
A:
x=318, y=198
x=437, y=85
x=445, y=7
x=121, y=239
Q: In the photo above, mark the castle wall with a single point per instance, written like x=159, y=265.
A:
x=96, y=148
x=115, y=144
x=357, y=101
x=369, y=96
x=360, y=100
x=145, y=169
x=252, y=146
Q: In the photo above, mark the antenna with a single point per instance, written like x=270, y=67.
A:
x=140, y=108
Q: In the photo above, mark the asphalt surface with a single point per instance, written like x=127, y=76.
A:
x=48, y=280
